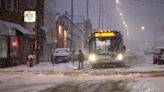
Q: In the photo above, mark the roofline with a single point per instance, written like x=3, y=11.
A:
x=73, y=23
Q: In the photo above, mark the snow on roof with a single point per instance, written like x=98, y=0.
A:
x=77, y=18
x=65, y=17
x=62, y=52
x=160, y=47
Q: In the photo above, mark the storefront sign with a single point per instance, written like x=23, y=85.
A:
x=29, y=16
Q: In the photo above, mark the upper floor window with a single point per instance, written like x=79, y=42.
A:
x=0, y=3
x=8, y=4
x=12, y=5
x=16, y=4
x=3, y=4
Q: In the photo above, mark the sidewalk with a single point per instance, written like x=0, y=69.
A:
x=44, y=67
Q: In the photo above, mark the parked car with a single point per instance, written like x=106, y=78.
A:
x=61, y=55
x=148, y=51
x=158, y=56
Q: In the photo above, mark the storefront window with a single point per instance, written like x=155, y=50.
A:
x=3, y=47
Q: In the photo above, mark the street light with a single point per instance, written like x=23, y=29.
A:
x=142, y=28
x=124, y=22
x=126, y=25
x=117, y=1
x=127, y=33
x=146, y=43
x=120, y=14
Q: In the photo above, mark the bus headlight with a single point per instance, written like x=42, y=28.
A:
x=92, y=58
x=119, y=57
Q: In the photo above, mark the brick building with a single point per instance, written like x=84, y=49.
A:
x=28, y=36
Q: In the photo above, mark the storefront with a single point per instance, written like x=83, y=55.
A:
x=3, y=47
x=15, y=44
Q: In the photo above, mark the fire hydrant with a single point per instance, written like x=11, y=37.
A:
x=31, y=59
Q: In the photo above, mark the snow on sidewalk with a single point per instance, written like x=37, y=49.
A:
x=43, y=66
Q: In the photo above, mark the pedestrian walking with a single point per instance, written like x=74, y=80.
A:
x=80, y=60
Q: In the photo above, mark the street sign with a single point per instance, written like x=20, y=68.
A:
x=29, y=16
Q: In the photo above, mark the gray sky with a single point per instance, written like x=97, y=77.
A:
x=136, y=13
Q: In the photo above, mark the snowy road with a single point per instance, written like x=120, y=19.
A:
x=40, y=82
x=139, y=75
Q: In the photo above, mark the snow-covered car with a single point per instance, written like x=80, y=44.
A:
x=148, y=51
x=61, y=55
x=158, y=55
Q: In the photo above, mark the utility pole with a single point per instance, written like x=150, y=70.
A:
x=87, y=9
x=99, y=12
x=102, y=16
x=72, y=24
x=108, y=20
x=37, y=26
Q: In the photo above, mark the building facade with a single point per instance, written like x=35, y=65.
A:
x=69, y=33
x=18, y=38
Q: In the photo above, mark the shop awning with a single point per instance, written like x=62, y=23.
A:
x=11, y=28
x=23, y=30
x=3, y=29
x=3, y=26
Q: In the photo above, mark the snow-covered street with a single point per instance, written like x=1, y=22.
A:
x=32, y=82
x=139, y=75
x=136, y=63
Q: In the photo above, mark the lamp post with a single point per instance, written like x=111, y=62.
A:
x=117, y=1
x=142, y=28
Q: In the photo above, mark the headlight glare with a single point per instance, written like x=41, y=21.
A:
x=92, y=57
x=119, y=57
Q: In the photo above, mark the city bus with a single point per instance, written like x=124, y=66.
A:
x=106, y=49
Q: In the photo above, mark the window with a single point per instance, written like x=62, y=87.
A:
x=16, y=5
x=12, y=5
x=3, y=47
x=3, y=4
x=0, y=3
x=8, y=4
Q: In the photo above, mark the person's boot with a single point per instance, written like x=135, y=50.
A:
x=82, y=66
x=79, y=65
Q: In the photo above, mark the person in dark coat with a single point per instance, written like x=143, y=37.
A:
x=80, y=60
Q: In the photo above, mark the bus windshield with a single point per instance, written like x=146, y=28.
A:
x=103, y=45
